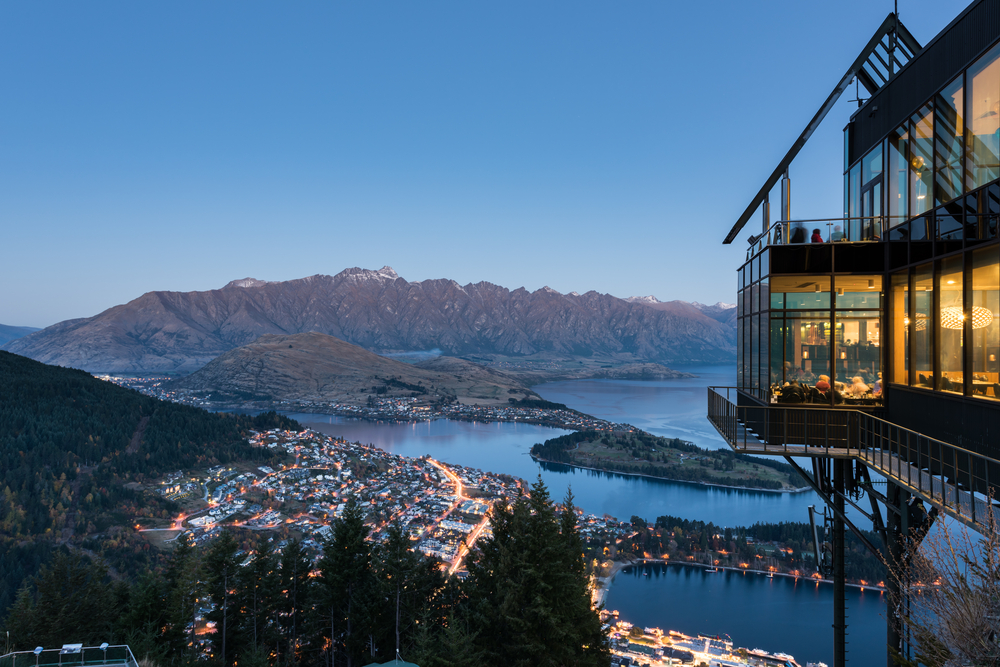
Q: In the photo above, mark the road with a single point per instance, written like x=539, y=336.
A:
x=463, y=550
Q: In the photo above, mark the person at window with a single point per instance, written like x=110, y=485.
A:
x=858, y=387
x=877, y=389
x=822, y=393
x=793, y=393
x=798, y=233
x=816, y=237
x=837, y=235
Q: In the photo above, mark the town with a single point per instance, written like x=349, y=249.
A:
x=444, y=507
x=403, y=409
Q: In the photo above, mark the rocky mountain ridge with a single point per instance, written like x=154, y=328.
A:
x=179, y=332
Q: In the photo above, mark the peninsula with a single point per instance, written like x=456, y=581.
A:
x=636, y=452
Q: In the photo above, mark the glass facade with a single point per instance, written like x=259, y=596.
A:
x=948, y=141
x=921, y=159
x=950, y=325
x=985, y=325
x=817, y=329
x=932, y=187
x=982, y=123
x=899, y=308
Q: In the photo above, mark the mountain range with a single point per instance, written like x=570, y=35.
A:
x=179, y=332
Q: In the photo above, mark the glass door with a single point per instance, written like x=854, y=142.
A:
x=871, y=211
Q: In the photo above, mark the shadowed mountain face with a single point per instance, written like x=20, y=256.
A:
x=381, y=312
x=9, y=333
x=317, y=367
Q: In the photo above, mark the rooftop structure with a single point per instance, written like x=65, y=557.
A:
x=869, y=340
x=72, y=655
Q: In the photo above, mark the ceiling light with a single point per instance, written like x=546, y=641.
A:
x=951, y=282
x=952, y=317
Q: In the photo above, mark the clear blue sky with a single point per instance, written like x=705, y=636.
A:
x=601, y=146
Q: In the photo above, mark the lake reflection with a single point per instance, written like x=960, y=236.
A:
x=775, y=614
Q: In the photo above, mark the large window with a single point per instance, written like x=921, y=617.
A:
x=923, y=292
x=921, y=159
x=950, y=127
x=952, y=321
x=985, y=352
x=896, y=175
x=983, y=120
x=899, y=304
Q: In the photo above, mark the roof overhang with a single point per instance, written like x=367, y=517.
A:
x=891, y=47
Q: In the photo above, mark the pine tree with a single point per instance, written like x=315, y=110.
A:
x=258, y=598
x=528, y=592
x=221, y=568
x=70, y=597
x=407, y=585
x=296, y=587
x=344, y=585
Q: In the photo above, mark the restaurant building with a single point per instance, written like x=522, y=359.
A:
x=869, y=341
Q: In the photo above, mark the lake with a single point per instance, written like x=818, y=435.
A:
x=775, y=614
x=756, y=611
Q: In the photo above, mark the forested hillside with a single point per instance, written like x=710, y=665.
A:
x=69, y=445
x=247, y=599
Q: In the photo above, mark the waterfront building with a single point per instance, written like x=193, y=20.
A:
x=869, y=341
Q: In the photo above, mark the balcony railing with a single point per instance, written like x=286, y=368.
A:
x=71, y=656
x=955, y=480
x=821, y=230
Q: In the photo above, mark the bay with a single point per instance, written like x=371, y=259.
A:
x=504, y=448
x=756, y=611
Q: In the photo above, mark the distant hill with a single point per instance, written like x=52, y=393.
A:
x=316, y=367
x=69, y=444
x=720, y=312
x=9, y=333
x=383, y=313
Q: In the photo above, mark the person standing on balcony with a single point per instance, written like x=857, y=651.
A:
x=816, y=237
x=798, y=233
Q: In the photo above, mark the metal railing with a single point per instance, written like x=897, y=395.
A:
x=830, y=230
x=71, y=656
x=953, y=479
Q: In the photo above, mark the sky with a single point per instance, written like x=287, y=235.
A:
x=583, y=146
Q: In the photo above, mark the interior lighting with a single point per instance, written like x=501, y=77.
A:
x=817, y=288
x=840, y=291
x=952, y=317
x=871, y=283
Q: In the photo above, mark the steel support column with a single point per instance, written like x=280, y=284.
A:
x=839, y=579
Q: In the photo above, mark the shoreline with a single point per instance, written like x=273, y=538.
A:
x=605, y=585
x=669, y=479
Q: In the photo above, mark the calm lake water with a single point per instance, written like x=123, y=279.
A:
x=774, y=614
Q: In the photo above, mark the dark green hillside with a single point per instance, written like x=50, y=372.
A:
x=69, y=443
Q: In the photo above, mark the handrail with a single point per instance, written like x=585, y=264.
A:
x=71, y=657
x=958, y=481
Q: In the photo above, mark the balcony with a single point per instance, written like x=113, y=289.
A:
x=820, y=230
x=957, y=481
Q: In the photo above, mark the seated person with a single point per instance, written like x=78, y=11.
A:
x=858, y=387
x=822, y=393
x=877, y=389
x=793, y=393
